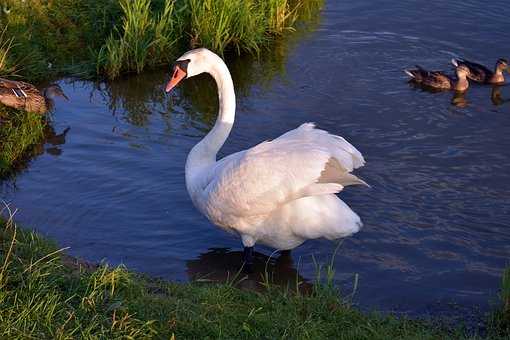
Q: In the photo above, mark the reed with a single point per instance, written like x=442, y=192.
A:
x=144, y=40
x=222, y=24
x=280, y=15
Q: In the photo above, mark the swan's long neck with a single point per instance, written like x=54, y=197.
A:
x=204, y=153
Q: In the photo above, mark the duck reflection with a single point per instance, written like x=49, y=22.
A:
x=50, y=144
x=55, y=140
x=459, y=99
x=496, y=97
x=222, y=265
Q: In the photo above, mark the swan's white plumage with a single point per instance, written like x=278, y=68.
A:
x=280, y=192
x=258, y=180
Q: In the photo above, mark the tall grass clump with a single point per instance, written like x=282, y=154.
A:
x=245, y=26
x=144, y=40
x=280, y=15
x=19, y=132
x=218, y=24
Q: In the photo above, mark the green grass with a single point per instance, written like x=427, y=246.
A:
x=52, y=38
x=46, y=295
x=218, y=24
x=500, y=320
x=7, y=65
x=19, y=133
x=108, y=38
x=146, y=39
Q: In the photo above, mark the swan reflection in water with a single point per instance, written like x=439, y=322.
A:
x=222, y=265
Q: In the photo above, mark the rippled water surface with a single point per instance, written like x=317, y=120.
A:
x=437, y=230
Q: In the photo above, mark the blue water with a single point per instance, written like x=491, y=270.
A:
x=437, y=230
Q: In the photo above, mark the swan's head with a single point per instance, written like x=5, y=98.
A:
x=192, y=63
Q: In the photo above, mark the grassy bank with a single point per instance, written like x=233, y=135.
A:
x=44, y=39
x=19, y=133
x=45, y=295
x=106, y=38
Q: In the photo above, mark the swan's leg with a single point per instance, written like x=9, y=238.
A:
x=248, y=258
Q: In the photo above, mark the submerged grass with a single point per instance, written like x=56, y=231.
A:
x=43, y=295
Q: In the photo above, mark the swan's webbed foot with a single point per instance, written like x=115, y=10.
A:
x=248, y=259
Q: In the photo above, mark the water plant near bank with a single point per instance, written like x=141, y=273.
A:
x=145, y=39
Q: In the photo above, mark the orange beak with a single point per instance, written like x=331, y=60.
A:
x=177, y=76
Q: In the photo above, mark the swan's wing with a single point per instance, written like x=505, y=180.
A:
x=302, y=162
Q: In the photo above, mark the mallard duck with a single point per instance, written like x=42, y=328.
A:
x=439, y=80
x=482, y=74
x=25, y=96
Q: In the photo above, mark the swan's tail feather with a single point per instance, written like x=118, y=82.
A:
x=350, y=179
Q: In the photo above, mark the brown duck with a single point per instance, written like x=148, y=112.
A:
x=482, y=74
x=25, y=96
x=440, y=81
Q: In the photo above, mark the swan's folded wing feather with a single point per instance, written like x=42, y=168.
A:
x=302, y=162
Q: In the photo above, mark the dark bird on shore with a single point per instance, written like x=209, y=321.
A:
x=482, y=74
x=26, y=97
x=438, y=80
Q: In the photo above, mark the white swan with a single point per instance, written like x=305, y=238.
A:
x=279, y=193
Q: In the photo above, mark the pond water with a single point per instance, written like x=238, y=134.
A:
x=437, y=230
